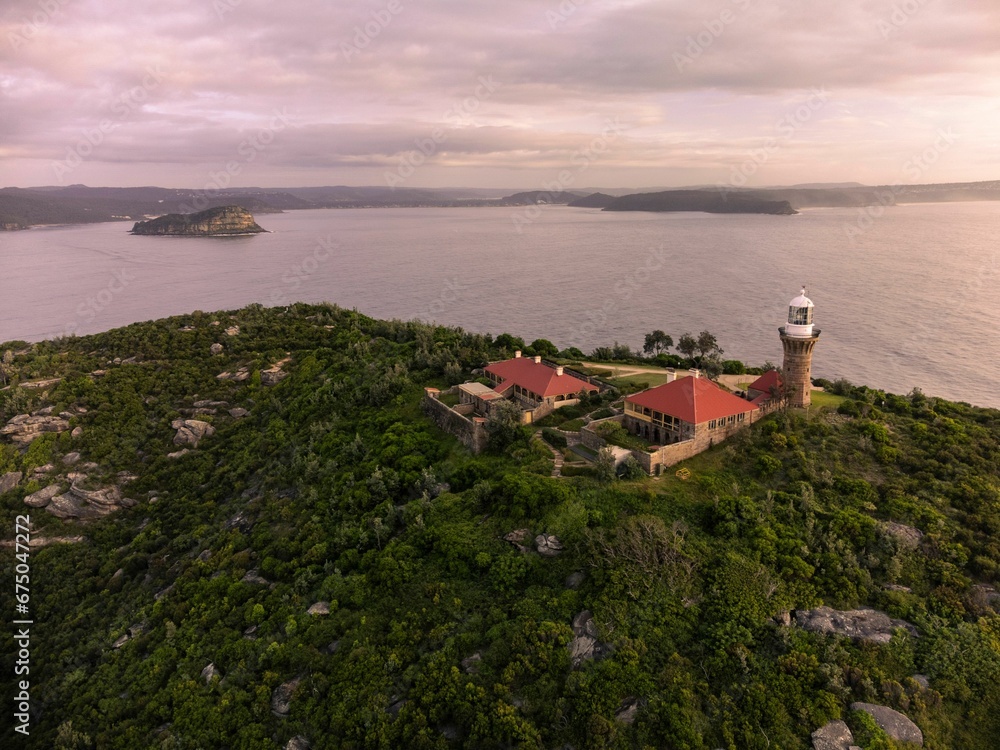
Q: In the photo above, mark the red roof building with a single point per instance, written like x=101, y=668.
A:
x=535, y=381
x=769, y=385
x=680, y=410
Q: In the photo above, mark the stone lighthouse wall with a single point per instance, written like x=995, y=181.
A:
x=797, y=368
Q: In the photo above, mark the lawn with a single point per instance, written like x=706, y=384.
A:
x=822, y=398
x=641, y=381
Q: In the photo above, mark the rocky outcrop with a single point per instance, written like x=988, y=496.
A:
x=519, y=538
x=835, y=735
x=548, y=545
x=281, y=698
x=24, y=428
x=191, y=431
x=585, y=644
x=627, y=711
x=209, y=673
x=892, y=722
x=213, y=222
x=319, y=608
x=9, y=481
x=88, y=504
x=470, y=664
x=859, y=624
x=43, y=497
x=298, y=742
x=906, y=536
x=272, y=375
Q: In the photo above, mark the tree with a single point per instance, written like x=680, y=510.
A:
x=604, y=466
x=656, y=342
x=707, y=344
x=509, y=343
x=687, y=345
x=543, y=347
x=503, y=423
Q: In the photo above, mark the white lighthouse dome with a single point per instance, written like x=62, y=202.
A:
x=800, y=316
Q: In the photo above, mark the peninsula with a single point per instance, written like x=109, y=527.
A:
x=222, y=221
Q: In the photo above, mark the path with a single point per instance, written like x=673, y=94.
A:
x=557, y=456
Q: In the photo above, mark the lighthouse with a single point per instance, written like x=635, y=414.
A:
x=798, y=337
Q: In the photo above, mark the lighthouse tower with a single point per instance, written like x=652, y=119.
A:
x=798, y=338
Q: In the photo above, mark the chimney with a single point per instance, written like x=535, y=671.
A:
x=695, y=373
x=671, y=374
x=559, y=370
x=517, y=354
x=538, y=360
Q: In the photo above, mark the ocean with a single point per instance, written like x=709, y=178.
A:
x=908, y=298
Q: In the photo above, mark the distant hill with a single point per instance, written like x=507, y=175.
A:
x=21, y=208
x=594, y=200
x=534, y=197
x=709, y=201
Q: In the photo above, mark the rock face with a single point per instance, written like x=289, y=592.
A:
x=212, y=222
x=87, y=504
x=43, y=497
x=860, y=624
x=24, y=428
x=585, y=645
x=895, y=724
x=272, y=375
x=281, y=699
x=190, y=431
x=835, y=735
x=548, y=545
x=9, y=481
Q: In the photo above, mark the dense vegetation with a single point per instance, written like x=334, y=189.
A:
x=336, y=488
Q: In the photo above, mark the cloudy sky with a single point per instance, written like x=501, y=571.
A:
x=519, y=93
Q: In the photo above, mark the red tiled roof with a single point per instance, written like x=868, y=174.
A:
x=693, y=400
x=771, y=378
x=537, y=378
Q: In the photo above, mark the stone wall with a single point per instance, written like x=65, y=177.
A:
x=471, y=434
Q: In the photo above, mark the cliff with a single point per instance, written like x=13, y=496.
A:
x=213, y=222
x=709, y=201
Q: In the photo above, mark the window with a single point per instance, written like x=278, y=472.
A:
x=800, y=316
x=711, y=425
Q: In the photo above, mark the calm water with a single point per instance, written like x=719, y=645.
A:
x=913, y=301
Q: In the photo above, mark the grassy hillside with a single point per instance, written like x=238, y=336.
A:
x=335, y=488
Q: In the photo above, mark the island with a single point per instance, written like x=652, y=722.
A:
x=708, y=201
x=222, y=221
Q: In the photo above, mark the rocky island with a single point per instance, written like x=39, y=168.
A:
x=223, y=221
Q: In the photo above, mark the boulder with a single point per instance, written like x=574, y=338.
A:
x=627, y=711
x=233, y=331
x=272, y=376
x=892, y=722
x=209, y=672
x=319, y=608
x=281, y=698
x=71, y=458
x=859, y=624
x=575, y=580
x=907, y=536
x=77, y=431
x=585, y=644
x=238, y=412
x=121, y=641
x=252, y=576
x=548, y=545
x=9, y=481
x=24, y=428
x=43, y=497
x=298, y=742
x=178, y=454
x=835, y=735
x=519, y=538
x=191, y=431
x=215, y=348
x=470, y=664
